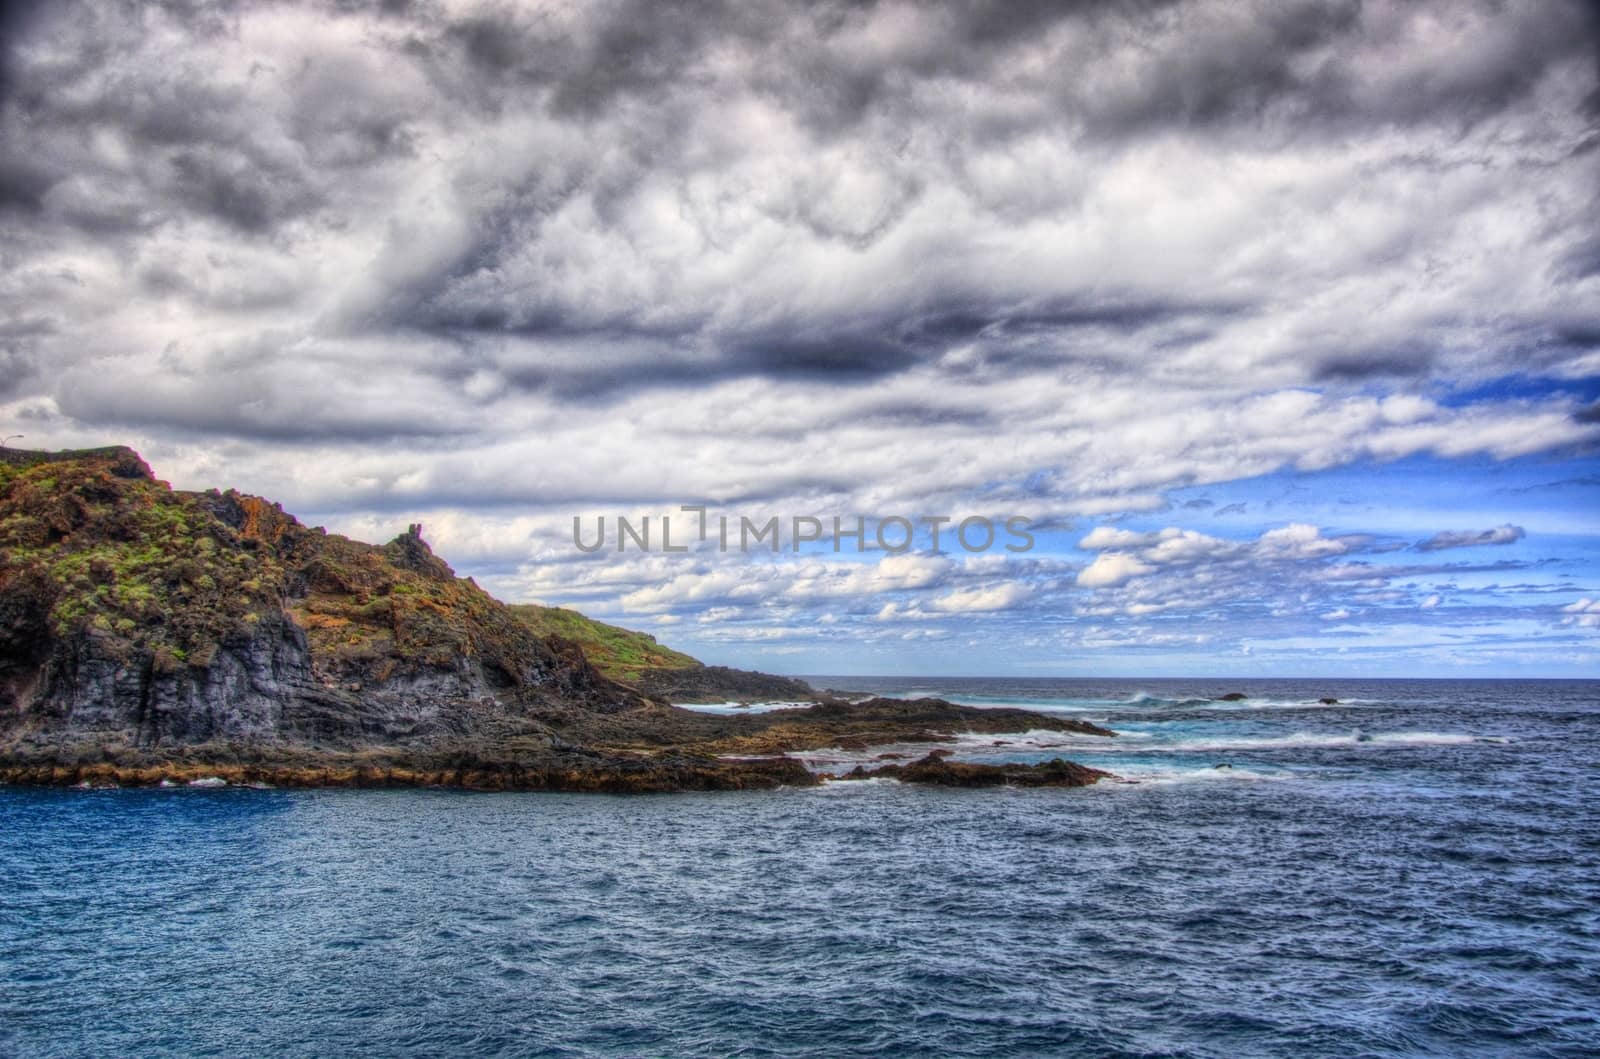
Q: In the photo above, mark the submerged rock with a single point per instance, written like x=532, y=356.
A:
x=1232, y=696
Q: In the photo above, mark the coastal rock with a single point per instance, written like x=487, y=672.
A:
x=573, y=771
x=156, y=637
x=849, y=726
x=1232, y=696
x=701, y=683
x=134, y=615
x=938, y=770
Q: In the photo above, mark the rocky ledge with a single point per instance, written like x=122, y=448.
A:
x=654, y=748
x=701, y=684
x=574, y=770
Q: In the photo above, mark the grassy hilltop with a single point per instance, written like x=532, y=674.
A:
x=619, y=653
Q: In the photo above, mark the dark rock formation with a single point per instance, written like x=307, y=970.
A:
x=135, y=615
x=1232, y=696
x=938, y=770
x=721, y=684
x=148, y=634
x=570, y=769
x=846, y=726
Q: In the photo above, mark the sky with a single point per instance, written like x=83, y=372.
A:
x=1279, y=322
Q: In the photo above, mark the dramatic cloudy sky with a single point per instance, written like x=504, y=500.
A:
x=1282, y=319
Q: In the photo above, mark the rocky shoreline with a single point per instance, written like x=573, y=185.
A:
x=644, y=776
x=655, y=749
x=150, y=635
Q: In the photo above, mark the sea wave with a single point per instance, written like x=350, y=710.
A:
x=1148, y=775
x=1316, y=740
x=733, y=706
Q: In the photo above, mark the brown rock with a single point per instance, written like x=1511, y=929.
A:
x=937, y=770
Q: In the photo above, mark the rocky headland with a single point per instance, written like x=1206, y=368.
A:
x=152, y=635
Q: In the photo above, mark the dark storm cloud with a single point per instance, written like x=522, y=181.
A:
x=929, y=415
x=237, y=190
x=1205, y=65
x=1285, y=70
x=16, y=19
x=471, y=303
x=1506, y=534
x=1401, y=363
x=587, y=202
x=825, y=353
x=964, y=317
x=23, y=184
x=254, y=407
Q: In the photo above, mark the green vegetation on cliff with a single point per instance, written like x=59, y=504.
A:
x=100, y=561
x=95, y=545
x=619, y=653
x=92, y=544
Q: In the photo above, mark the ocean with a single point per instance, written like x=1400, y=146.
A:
x=1413, y=871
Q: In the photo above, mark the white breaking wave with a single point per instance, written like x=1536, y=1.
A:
x=875, y=781
x=1151, y=775
x=1311, y=740
x=1042, y=741
x=739, y=707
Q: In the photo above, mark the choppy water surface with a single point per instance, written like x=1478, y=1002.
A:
x=1415, y=871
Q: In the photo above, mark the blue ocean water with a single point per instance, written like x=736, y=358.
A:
x=1414, y=871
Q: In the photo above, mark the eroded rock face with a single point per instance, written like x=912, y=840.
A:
x=133, y=615
x=94, y=683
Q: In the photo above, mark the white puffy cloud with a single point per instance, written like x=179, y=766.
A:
x=1585, y=613
x=1105, y=537
x=995, y=597
x=1299, y=541
x=1112, y=568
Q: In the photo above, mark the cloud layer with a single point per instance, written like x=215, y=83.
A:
x=1054, y=260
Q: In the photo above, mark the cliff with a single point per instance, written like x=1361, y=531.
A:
x=131, y=614
x=148, y=633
